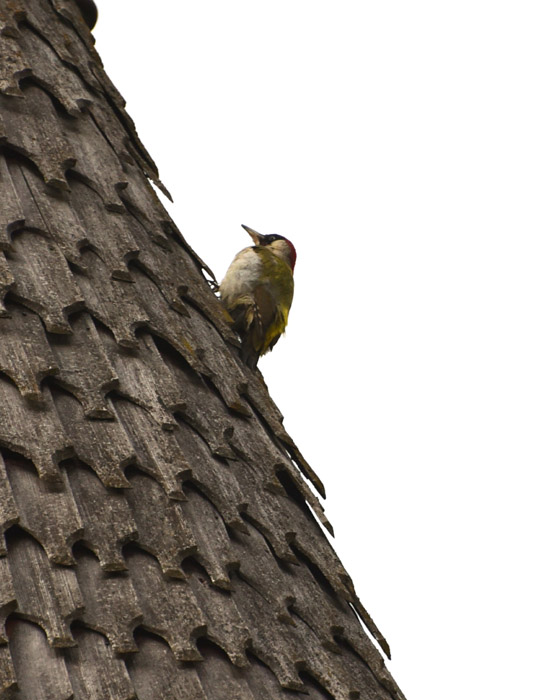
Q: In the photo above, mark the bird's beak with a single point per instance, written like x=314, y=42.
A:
x=257, y=237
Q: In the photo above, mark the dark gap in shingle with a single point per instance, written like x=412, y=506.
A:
x=345, y=644
x=209, y=383
x=173, y=358
x=57, y=387
x=136, y=265
x=292, y=491
x=78, y=627
x=294, y=612
x=101, y=327
x=20, y=462
x=133, y=469
x=139, y=216
x=73, y=464
x=18, y=459
x=311, y=681
x=255, y=660
x=182, y=416
x=15, y=534
x=74, y=268
x=16, y=159
x=133, y=547
x=29, y=229
x=140, y=633
x=33, y=81
x=250, y=521
x=81, y=549
x=315, y=571
x=73, y=316
x=234, y=534
x=88, y=247
x=7, y=378
x=192, y=567
x=248, y=582
x=11, y=621
x=199, y=488
x=118, y=395
x=209, y=649
x=80, y=177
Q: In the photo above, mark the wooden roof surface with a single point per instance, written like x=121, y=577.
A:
x=157, y=536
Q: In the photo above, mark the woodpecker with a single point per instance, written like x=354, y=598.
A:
x=257, y=291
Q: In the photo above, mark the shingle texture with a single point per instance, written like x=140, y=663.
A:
x=157, y=536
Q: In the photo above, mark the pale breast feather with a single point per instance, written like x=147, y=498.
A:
x=242, y=275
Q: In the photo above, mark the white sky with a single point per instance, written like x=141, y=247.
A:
x=397, y=144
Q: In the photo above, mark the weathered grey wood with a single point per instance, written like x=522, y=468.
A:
x=51, y=517
x=226, y=626
x=94, y=670
x=176, y=504
x=8, y=600
x=169, y=606
x=145, y=379
x=66, y=43
x=49, y=150
x=162, y=527
x=272, y=641
x=221, y=681
x=111, y=605
x=213, y=477
x=41, y=673
x=13, y=65
x=108, y=123
x=95, y=160
x=213, y=546
x=108, y=520
x=49, y=71
x=85, y=370
x=6, y=282
x=143, y=200
x=107, y=232
x=43, y=281
x=202, y=410
x=103, y=445
x=33, y=431
x=8, y=678
x=260, y=399
x=175, y=274
x=8, y=510
x=11, y=211
x=113, y=302
x=260, y=569
x=157, y=453
x=47, y=595
x=155, y=673
x=25, y=355
x=60, y=221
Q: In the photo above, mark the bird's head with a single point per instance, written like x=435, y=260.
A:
x=279, y=244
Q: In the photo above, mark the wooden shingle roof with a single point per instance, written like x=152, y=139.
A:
x=157, y=535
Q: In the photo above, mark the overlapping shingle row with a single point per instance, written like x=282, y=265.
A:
x=157, y=537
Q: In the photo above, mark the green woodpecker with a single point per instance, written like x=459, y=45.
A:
x=257, y=291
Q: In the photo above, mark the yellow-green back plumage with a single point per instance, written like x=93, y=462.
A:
x=257, y=291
